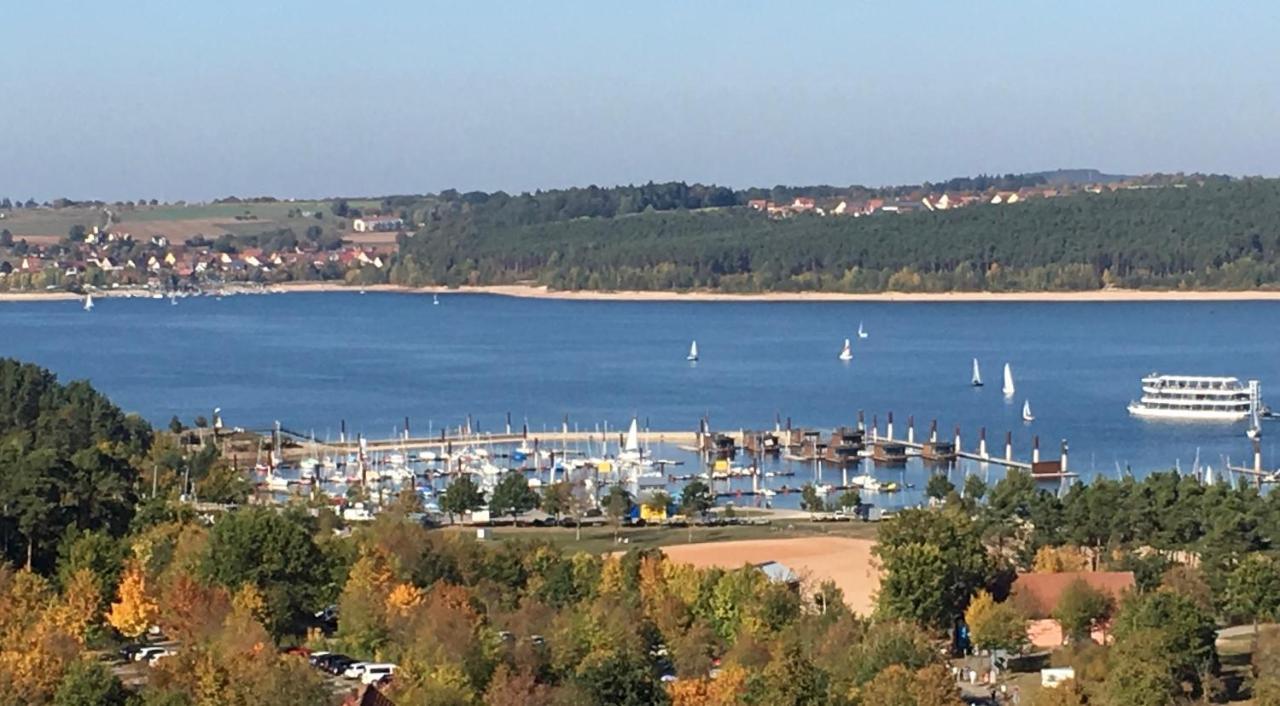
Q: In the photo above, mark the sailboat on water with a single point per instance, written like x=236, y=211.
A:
x=1008, y=388
x=435, y=300
x=88, y=302
x=862, y=332
x=977, y=374
x=846, y=353
x=1027, y=416
x=693, y=353
x=1255, y=423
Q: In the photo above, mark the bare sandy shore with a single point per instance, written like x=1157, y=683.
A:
x=539, y=292
x=844, y=560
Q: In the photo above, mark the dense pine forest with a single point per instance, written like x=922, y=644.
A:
x=1211, y=233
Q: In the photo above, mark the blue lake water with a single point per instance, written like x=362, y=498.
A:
x=310, y=360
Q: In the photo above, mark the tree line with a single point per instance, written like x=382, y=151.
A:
x=1202, y=556
x=1220, y=234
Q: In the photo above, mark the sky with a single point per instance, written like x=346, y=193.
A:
x=201, y=99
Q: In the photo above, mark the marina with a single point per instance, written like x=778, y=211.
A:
x=477, y=356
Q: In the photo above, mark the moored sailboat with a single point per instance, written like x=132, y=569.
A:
x=88, y=302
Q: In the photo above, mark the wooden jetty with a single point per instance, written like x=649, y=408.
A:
x=844, y=446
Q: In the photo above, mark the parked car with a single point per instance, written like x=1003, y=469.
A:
x=315, y=658
x=355, y=669
x=338, y=664
x=374, y=673
x=163, y=653
x=146, y=653
x=128, y=652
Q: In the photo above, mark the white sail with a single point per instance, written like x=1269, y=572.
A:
x=1008, y=381
x=88, y=302
x=846, y=353
x=1026, y=411
x=693, y=351
x=435, y=299
x=861, y=333
x=633, y=438
x=977, y=374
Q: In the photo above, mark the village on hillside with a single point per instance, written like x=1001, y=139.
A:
x=926, y=200
x=113, y=257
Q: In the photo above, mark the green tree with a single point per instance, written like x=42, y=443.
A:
x=274, y=552
x=512, y=496
x=849, y=500
x=461, y=496
x=811, y=500
x=696, y=498
x=974, y=488
x=1253, y=590
x=932, y=562
x=88, y=683
x=793, y=679
x=99, y=553
x=617, y=504
x=1173, y=630
x=939, y=487
x=175, y=425
x=618, y=677
x=557, y=498
x=1081, y=608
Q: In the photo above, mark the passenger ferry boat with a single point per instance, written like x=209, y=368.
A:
x=1197, y=398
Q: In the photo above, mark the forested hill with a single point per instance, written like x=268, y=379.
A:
x=1215, y=235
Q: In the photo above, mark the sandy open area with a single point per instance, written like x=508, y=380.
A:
x=846, y=561
x=537, y=292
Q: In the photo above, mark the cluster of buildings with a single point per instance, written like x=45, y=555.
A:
x=377, y=224
x=916, y=201
x=107, y=256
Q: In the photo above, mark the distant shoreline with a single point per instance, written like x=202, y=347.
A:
x=539, y=292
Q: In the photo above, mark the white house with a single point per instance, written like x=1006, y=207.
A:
x=370, y=224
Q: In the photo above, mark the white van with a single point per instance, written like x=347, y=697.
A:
x=374, y=673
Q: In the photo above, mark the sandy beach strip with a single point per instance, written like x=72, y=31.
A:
x=541, y=292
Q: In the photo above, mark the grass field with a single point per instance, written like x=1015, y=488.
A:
x=598, y=540
x=179, y=222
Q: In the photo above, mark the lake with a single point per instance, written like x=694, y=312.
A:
x=310, y=360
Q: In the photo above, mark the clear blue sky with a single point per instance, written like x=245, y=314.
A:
x=198, y=99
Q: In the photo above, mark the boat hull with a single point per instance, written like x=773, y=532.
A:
x=1189, y=415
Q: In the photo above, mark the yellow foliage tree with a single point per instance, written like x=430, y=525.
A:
x=1056, y=560
x=249, y=601
x=404, y=598
x=611, y=576
x=363, y=603
x=78, y=608
x=34, y=648
x=727, y=689
x=994, y=626
x=134, y=611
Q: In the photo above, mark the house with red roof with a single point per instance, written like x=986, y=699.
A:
x=1037, y=595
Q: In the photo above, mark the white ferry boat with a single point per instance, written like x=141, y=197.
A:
x=1197, y=398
